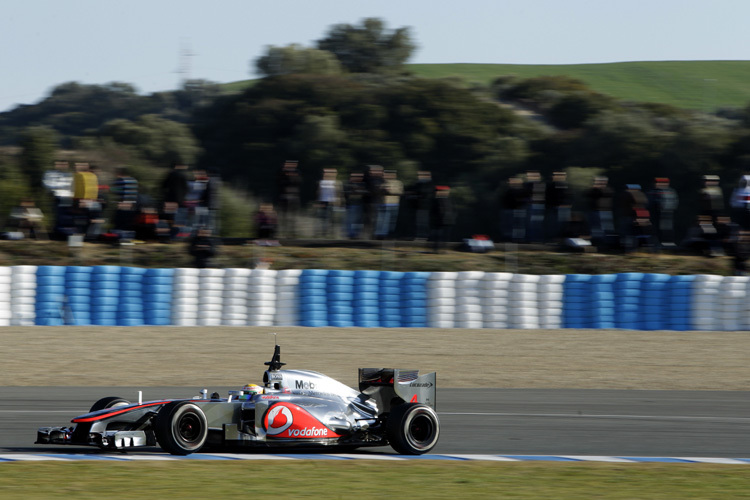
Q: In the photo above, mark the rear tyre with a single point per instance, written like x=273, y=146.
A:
x=109, y=402
x=181, y=428
x=413, y=428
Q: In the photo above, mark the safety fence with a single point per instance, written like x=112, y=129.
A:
x=130, y=296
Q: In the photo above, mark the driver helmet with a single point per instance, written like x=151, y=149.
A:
x=251, y=390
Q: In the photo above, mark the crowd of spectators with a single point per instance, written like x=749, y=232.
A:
x=374, y=204
x=369, y=204
x=90, y=205
x=534, y=211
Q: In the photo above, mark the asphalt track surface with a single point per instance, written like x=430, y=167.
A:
x=474, y=421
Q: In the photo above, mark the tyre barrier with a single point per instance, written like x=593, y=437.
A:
x=23, y=296
x=157, y=291
x=441, y=300
x=235, y=297
x=184, y=310
x=287, y=297
x=365, y=299
x=469, y=300
x=6, y=280
x=551, y=301
x=261, y=297
x=130, y=296
x=50, y=296
x=210, y=296
x=494, y=294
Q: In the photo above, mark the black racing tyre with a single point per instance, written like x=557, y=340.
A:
x=109, y=402
x=413, y=428
x=181, y=428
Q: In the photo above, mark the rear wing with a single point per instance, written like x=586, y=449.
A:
x=392, y=386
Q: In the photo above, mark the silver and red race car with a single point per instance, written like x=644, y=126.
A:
x=293, y=409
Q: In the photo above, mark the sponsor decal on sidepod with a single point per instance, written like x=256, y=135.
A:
x=286, y=420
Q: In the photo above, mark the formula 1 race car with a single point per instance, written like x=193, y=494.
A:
x=293, y=409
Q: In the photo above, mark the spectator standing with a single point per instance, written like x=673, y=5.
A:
x=420, y=195
x=266, y=223
x=28, y=219
x=741, y=254
x=85, y=186
x=288, y=202
x=125, y=220
x=388, y=213
x=174, y=190
x=125, y=191
x=148, y=225
x=196, y=199
x=211, y=200
x=373, y=179
x=740, y=203
x=354, y=196
x=711, y=198
x=535, y=192
x=203, y=248
x=329, y=196
x=125, y=187
x=557, y=204
x=59, y=181
x=513, y=204
x=634, y=216
x=663, y=202
x=85, y=197
x=442, y=217
x=600, y=204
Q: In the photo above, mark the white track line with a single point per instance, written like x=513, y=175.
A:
x=27, y=457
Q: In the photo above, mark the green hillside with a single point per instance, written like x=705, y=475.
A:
x=703, y=85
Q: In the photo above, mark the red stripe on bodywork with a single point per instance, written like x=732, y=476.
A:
x=116, y=412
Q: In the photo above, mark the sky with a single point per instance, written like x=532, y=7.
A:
x=44, y=43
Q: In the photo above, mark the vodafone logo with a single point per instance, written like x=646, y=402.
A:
x=308, y=432
x=278, y=419
x=287, y=420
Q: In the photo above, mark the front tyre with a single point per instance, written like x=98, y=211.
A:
x=413, y=428
x=109, y=402
x=181, y=428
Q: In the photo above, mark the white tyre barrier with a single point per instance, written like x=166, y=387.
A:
x=470, y=299
x=732, y=293
x=523, y=304
x=441, y=285
x=549, y=296
x=23, y=295
x=494, y=295
x=705, y=302
x=234, y=296
x=287, y=297
x=261, y=297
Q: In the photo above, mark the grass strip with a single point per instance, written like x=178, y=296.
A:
x=371, y=479
x=388, y=257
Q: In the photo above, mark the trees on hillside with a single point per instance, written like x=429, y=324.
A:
x=73, y=109
x=369, y=47
x=345, y=123
x=297, y=59
x=348, y=103
x=366, y=48
x=38, y=147
x=159, y=141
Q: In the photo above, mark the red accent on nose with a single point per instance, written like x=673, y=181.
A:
x=279, y=420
